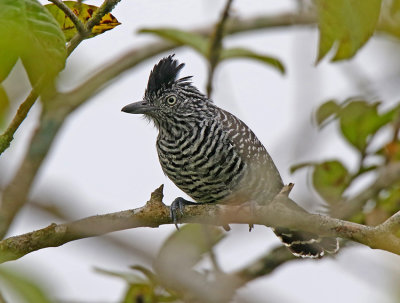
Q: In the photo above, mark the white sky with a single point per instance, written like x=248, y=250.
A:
x=106, y=160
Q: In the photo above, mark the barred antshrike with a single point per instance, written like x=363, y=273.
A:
x=210, y=154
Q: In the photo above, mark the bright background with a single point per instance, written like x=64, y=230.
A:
x=105, y=161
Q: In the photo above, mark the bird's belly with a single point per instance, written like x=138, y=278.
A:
x=205, y=178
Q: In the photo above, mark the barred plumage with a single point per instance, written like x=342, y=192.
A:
x=210, y=154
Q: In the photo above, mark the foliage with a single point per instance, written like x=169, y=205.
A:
x=359, y=121
x=84, y=12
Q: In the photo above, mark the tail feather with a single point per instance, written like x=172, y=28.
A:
x=305, y=244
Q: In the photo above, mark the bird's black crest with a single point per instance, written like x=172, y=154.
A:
x=163, y=75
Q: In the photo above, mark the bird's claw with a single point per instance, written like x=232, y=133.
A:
x=177, y=209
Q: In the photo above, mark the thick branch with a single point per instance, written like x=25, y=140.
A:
x=280, y=212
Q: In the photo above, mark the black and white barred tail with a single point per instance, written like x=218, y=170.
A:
x=305, y=244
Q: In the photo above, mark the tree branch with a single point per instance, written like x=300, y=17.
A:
x=281, y=212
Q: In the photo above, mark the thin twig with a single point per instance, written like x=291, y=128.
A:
x=80, y=27
x=216, y=45
x=22, y=112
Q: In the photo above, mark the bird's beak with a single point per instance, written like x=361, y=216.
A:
x=141, y=107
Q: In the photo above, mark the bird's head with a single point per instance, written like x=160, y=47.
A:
x=168, y=98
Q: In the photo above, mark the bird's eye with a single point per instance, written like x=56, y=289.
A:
x=171, y=100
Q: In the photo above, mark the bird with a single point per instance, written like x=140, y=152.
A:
x=211, y=155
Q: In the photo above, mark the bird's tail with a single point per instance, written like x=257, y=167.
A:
x=305, y=244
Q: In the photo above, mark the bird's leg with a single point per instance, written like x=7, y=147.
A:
x=177, y=207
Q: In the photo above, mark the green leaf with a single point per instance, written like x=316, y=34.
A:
x=348, y=23
x=84, y=12
x=8, y=58
x=359, y=120
x=195, y=41
x=26, y=289
x=330, y=179
x=29, y=32
x=326, y=110
x=4, y=106
x=189, y=243
x=246, y=53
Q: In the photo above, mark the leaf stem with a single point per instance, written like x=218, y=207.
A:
x=104, y=9
x=74, y=18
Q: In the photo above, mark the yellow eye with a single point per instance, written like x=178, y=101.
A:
x=171, y=100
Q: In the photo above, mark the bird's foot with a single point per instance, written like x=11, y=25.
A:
x=177, y=208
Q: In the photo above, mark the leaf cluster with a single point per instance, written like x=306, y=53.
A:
x=358, y=122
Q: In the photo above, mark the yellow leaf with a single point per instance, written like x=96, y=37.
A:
x=84, y=12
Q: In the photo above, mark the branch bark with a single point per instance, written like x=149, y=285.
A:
x=282, y=212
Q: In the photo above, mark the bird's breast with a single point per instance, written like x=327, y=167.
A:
x=202, y=162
